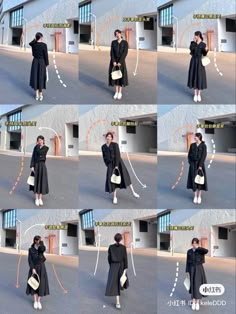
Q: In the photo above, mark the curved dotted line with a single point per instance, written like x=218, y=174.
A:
x=176, y=279
x=57, y=72
x=90, y=129
x=19, y=175
x=214, y=151
x=215, y=64
x=180, y=176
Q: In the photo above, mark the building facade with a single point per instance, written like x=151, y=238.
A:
x=21, y=20
x=177, y=22
x=57, y=123
x=58, y=228
x=139, y=229
x=103, y=17
x=96, y=122
x=215, y=228
x=176, y=128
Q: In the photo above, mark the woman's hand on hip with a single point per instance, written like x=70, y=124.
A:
x=32, y=169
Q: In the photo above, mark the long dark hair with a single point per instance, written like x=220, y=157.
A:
x=195, y=240
x=199, y=135
x=38, y=36
x=36, y=238
x=117, y=31
x=198, y=33
x=41, y=138
x=111, y=134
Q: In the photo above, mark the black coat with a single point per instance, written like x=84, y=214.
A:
x=118, y=261
x=118, y=54
x=112, y=159
x=40, y=170
x=36, y=260
x=39, y=64
x=194, y=267
x=197, y=72
x=196, y=158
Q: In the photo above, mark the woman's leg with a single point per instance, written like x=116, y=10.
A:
x=119, y=92
x=118, y=301
x=115, y=197
x=132, y=190
x=199, y=95
x=195, y=197
x=36, y=199
x=40, y=95
x=35, y=301
x=41, y=199
x=195, y=95
x=39, y=304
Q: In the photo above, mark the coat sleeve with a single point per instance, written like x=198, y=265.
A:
x=105, y=159
x=203, y=157
x=204, y=51
x=124, y=53
x=109, y=255
x=45, y=55
x=189, y=153
x=125, y=258
x=33, y=158
x=187, y=268
x=202, y=250
x=32, y=42
x=112, y=53
x=192, y=47
x=117, y=155
x=30, y=261
x=42, y=247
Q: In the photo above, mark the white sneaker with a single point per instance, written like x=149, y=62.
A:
x=136, y=195
x=115, y=201
x=37, y=202
x=117, y=305
x=193, y=306
x=35, y=305
x=199, y=200
x=41, y=98
x=195, y=98
x=115, y=96
x=39, y=306
x=119, y=96
x=195, y=200
x=40, y=202
x=197, y=307
x=36, y=97
x=199, y=98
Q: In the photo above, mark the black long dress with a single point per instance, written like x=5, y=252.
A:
x=117, y=259
x=197, y=72
x=196, y=158
x=39, y=64
x=112, y=159
x=40, y=170
x=118, y=54
x=36, y=260
x=194, y=267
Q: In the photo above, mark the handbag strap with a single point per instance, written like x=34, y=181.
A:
x=37, y=276
x=115, y=68
x=115, y=170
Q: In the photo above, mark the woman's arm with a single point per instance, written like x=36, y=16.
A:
x=204, y=50
x=105, y=159
x=125, y=259
x=117, y=155
x=192, y=47
x=30, y=261
x=42, y=247
x=45, y=55
x=187, y=268
x=112, y=54
x=189, y=153
x=202, y=250
x=203, y=157
x=32, y=42
x=109, y=255
x=124, y=53
x=33, y=158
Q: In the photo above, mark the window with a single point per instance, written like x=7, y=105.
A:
x=84, y=13
x=149, y=25
x=130, y=128
x=14, y=117
x=209, y=130
x=165, y=16
x=75, y=131
x=87, y=219
x=9, y=219
x=230, y=25
x=16, y=17
x=72, y=230
x=164, y=222
x=222, y=233
x=143, y=226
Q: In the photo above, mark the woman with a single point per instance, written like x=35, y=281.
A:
x=197, y=72
x=196, y=157
x=38, y=69
x=195, y=271
x=39, y=170
x=36, y=260
x=117, y=259
x=119, y=51
x=113, y=161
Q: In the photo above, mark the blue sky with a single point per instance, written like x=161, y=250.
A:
x=6, y=108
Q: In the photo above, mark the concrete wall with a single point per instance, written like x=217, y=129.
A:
x=112, y=12
x=230, y=45
x=2, y=232
x=185, y=115
x=146, y=239
x=38, y=219
x=39, y=12
x=226, y=247
x=97, y=122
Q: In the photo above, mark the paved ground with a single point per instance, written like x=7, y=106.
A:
x=15, y=300
x=62, y=177
x=173, y=76
x=92, y=176
x=221, y=184
x=15, y=74
x=139, y=298
x=217, y=271
x=93, y=74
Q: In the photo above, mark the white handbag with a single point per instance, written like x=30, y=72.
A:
x=199, y=179
x=34, y=283
x=116, y=178
x=205, y=61
x=116, y=74
x=123, y=278
x=187, y=283
x=30, y=180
